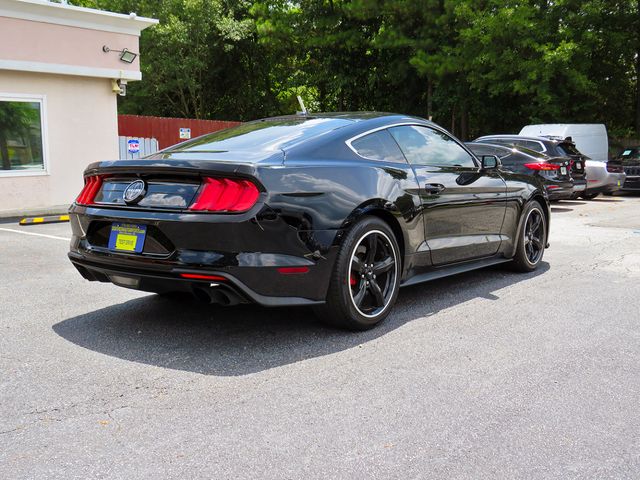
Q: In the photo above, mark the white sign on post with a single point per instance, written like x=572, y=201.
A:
x=185, y=133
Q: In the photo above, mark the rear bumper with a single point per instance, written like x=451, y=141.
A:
x=230, y=290
x=246, y=252
x=579, y=185
x=559, y=190
x=631, y=184
x=600, y=180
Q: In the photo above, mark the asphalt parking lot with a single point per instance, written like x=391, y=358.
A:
x=489, y=374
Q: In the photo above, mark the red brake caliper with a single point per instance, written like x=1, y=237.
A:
x=352, y=281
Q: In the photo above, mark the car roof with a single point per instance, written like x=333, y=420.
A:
x=353, y=116
x=266, y=136
x=550, y=139
x=511, y=149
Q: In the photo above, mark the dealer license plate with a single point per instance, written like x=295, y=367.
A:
x=127, y=237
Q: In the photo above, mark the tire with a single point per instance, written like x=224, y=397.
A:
x=589, y=196
x=531, y=243
x=369, y=256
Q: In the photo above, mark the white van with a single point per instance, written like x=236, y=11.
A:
x=591, y=140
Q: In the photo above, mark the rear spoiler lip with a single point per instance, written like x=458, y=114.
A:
x=187, y=168
x=196, y=162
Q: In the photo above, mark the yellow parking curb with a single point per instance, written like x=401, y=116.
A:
x=47, y=219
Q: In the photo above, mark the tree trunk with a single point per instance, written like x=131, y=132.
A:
x=453, y=121
x=429, y=99
x=4, y=152
x=638, y=84
x=464, y=122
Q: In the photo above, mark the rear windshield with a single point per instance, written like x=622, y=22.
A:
x=532, y=153
x=261, y=135
x=568, y=149
x=517, y=142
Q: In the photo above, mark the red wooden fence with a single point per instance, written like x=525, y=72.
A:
x=167, y=130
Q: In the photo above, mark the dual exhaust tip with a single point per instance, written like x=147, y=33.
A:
x=219, y=295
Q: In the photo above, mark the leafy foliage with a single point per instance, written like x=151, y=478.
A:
x=475, y=66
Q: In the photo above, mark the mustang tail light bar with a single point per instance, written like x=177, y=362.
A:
x=225, y=195
x=91, y=186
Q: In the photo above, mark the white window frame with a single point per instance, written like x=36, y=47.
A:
x=42, y=100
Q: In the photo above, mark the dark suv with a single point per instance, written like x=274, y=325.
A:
x=555, y=147
x=630, y=159
x=553, y=172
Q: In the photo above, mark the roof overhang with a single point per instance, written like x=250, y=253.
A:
x=70, y=15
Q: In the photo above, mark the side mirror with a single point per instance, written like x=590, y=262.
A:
x=490, y=162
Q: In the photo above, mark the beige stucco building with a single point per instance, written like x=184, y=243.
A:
x=60, y=70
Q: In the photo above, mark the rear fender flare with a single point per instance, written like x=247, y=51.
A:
x=544, y=203
x=386, y=211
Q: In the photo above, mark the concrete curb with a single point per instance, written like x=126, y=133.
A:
x=44, y=219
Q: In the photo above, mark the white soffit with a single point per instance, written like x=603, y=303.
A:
x=61, y=14
x=61, y=69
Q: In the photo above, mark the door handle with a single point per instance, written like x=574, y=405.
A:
x=434, y=188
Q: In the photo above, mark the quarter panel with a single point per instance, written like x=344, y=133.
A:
x=520, y=190
x=332, y=194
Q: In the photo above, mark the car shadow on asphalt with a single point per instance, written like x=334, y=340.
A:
x=606, y=200
x=234, y=341
x=561, y=209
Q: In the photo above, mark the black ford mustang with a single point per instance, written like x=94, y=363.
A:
x=332, y=210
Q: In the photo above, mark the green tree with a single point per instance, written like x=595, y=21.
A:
x=202, y=60
x=475, y=66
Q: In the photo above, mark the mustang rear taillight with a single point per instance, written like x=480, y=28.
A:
x=225, y=195
x=91, y=186
x=542, y=166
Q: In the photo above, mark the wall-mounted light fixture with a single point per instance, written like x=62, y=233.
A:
x=126, y=56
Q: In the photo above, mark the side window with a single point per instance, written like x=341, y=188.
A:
x=510, y=161
x=500, y=141
x=531, y=145
x=426, y=146
x=479, y=150
x=378, y=146
x=486, y=150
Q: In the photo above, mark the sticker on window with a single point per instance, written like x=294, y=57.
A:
x=626, y=153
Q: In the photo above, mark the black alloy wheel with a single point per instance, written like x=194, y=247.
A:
x=532, y=238
x=534, y=241
x=366, y=277
x=372, y=275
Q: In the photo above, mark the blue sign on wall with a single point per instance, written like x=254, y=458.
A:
x=133, y=145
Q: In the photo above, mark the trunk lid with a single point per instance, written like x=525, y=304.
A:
x=564, y=172
x=169, y=183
